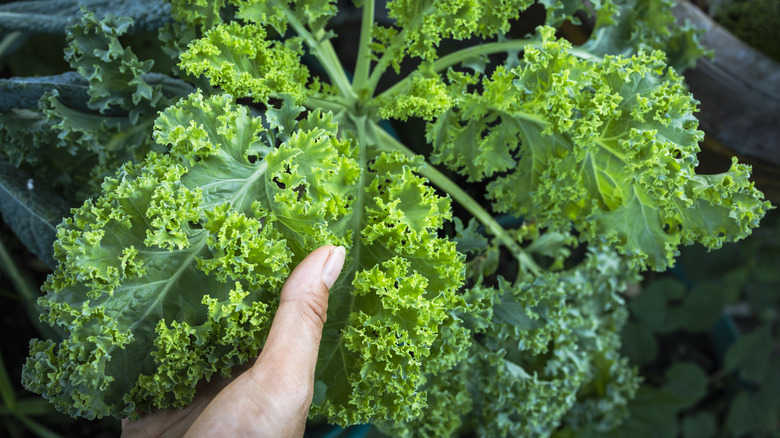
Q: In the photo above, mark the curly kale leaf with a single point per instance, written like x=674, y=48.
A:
x=647, y=25
x=258, y=67
x=547, y=355
x=608, y=146
x=181, y=260
x=420, y=27
x=114, y=73
x=281, y=14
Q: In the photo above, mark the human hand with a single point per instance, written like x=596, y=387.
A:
x=272, y=397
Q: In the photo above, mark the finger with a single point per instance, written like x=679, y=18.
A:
x=273, y=397
x=289, y=356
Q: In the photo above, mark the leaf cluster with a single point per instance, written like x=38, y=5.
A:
x=198, y=189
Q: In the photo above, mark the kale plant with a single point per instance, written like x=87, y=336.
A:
x=201, y=187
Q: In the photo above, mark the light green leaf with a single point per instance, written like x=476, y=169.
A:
x=240, y=59
x=608, y=146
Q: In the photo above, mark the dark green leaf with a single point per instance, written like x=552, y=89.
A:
x=652, y=307
x=639, y=344
x=36, y=406
x=653, y=415
x=687, y=381
x=701, y=425
x=31, y=210
x=72, y=89
x=740, y=419
x=702, y=307
x=26, y=92
x=469, y=239
x=52, y=16
x=750, y=354
x=755, y=413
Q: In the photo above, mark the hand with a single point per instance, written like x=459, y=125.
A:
x=272, y=397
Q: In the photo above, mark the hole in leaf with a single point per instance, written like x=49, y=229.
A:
x=672, y=228
x=300, y=190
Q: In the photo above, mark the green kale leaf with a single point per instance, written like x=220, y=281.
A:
x=182, y=258
x=608, y=146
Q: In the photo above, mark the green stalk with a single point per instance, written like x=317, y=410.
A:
x=461, y=55
x=361, y=125
x=472, y=52
x=325, y=103
x=363, y=64
x=384, y=61
x=460, y=196
x=336, y=70
x=324, y=52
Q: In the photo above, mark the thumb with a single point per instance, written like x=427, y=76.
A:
x=287, y=361
x=280, y=384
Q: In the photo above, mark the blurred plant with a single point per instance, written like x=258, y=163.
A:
x=753, y=21
x=706, y=338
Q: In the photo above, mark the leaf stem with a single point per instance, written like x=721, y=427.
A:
x=323, y=50
x=363, y=64
x=325, y=103
x=384, y=61
x=472, y=52
x=441, y=181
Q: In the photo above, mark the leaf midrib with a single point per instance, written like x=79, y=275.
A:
x=196, y=249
